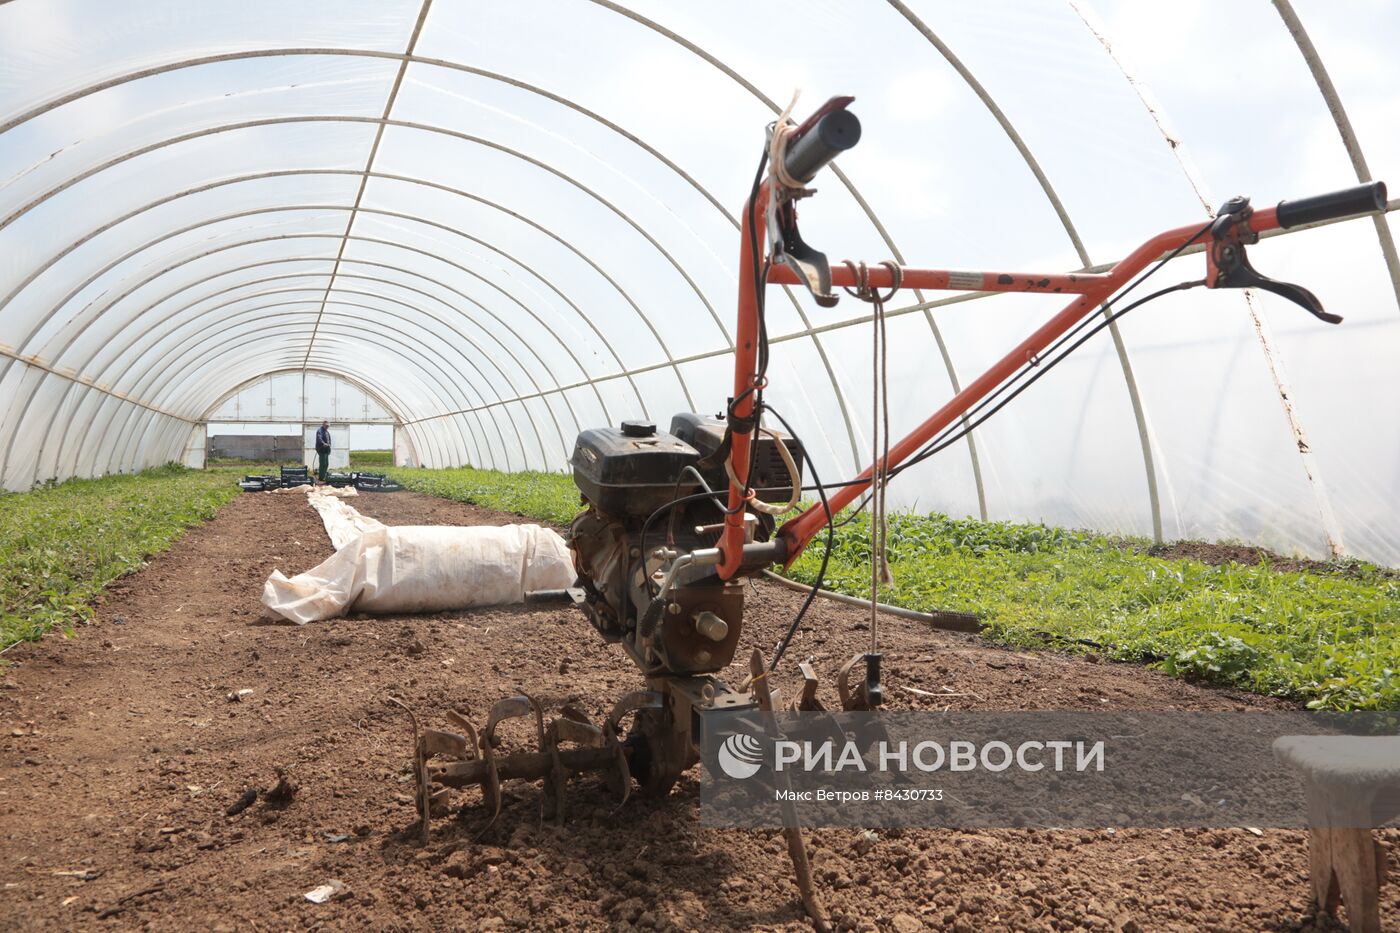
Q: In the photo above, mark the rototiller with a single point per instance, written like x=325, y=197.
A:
x=674, y=521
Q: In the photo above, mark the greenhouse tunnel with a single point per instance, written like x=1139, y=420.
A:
x=504, y=235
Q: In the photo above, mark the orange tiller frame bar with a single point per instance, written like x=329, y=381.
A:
x=1093, y=290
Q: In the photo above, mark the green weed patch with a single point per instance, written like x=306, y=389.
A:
x=549, y=497
x=60, y=545
x=371, y=458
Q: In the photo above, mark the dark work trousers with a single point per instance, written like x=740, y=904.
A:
x=323, y=461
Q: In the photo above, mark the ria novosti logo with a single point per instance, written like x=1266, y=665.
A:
x=740, y=756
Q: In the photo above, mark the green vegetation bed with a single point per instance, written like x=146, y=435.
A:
x=60, y=545
x=371, y=458
x=1328, y=637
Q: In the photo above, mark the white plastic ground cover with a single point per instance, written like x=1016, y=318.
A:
x=508, y=228
x=416, y=568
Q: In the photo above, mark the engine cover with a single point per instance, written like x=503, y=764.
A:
x=633, y=470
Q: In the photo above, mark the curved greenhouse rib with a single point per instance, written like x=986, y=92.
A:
x=369, y=164
x=842, y=403
x=241, y=319
x=465, y=441
x=1120, y=347
x=96, y=416
x=564, y=344
x=173, y=380
x=414, y=350
x=1344, y=129
x=334, y=207
x=354, y=382
x=160, y=362
x=456, y=66
x=141, y=314
x=148, y=307
x=258, y=357
x=1273, y=360
x=422, y=127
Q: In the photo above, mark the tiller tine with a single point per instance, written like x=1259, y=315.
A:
x=868, y=695
x=851, y=698
x=808, y=702
x=426, y=744
x=571, y=726
x=510, y=708
x=637, y=700
x=569, y=745
x=460, y=721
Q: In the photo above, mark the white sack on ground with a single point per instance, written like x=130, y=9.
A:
x=417, y=568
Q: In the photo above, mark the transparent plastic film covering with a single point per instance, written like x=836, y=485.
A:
x=502, y=224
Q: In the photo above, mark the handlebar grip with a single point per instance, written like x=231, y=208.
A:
x=832, y=135
x=1363, y=199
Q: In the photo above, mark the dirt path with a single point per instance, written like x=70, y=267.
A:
x=119, y=753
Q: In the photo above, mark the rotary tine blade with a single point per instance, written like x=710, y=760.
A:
x=571, y=726
x=510, y=708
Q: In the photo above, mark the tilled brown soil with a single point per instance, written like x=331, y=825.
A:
x=121, y=752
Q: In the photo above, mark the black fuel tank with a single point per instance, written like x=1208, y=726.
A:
x=632, y=470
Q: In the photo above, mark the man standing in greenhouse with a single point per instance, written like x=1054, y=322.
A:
x=323, y=451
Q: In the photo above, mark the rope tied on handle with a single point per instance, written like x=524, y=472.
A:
x=777, y=145
x=880, y=428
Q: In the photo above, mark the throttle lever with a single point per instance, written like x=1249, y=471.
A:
x=1230, y=266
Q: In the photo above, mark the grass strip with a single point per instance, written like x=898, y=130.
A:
x=61, y=544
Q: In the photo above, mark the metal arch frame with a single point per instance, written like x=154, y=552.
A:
x=63, y=401
x=414, y=437
x=489, y=334
x=204, y=400
x=258, y=356
x=836, y=384
x=352, y=381
x=329, y=208
x=422, y=127
x=261, y=371
x=440, y=362
x=515, y=214
x=422, y=252
x=326, y=259
x=399, y=215
x=419, y=325
x=232, y=320
x=580, y=109
x=1323, y=80
x=1119, y=346
x=479, y=199
x=461, y=443
x=190, y=369
x=390, y=243
x=173, y=444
